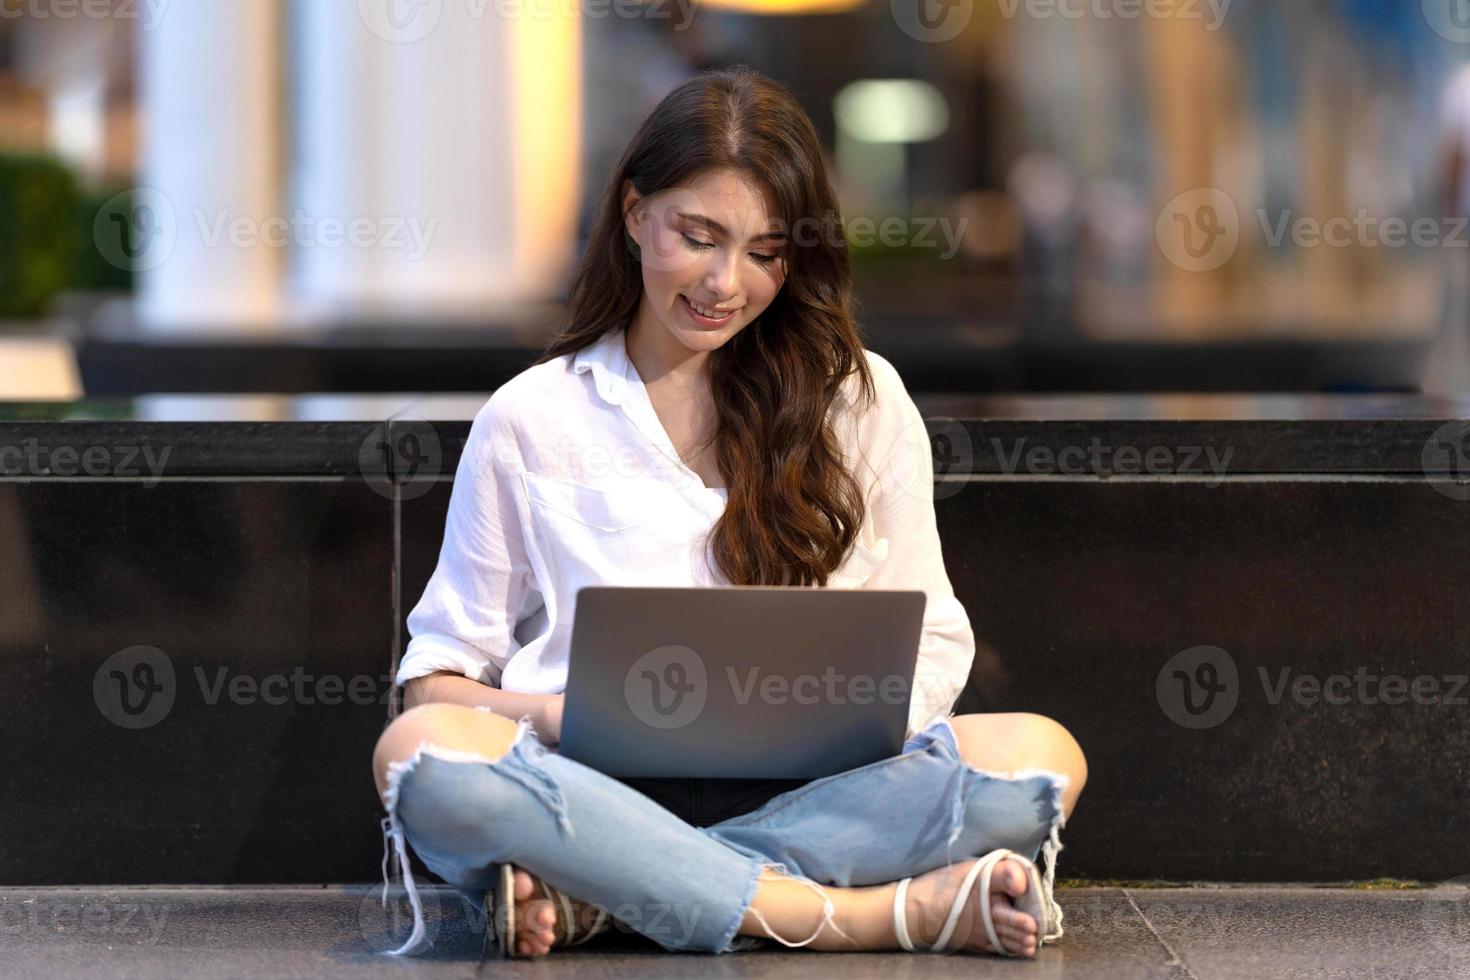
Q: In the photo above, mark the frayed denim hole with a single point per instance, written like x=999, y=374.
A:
x=794, y=795
x=1050, y=845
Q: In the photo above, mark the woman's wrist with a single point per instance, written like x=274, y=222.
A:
x=547, y=730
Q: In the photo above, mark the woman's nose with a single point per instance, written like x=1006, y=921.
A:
x=722, y=278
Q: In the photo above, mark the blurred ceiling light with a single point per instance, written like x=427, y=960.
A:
x=780, y=7
x=892, y=110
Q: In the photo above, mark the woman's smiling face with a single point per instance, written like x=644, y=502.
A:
x=712, y=254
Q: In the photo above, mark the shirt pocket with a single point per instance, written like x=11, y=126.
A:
x=629, y=535
x=609, y=511
x=860, y=565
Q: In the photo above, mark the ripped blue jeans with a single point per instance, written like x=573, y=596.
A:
x=687, y=888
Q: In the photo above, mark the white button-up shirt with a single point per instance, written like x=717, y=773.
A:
x=568, y=479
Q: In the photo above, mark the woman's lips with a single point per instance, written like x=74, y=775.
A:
x=700, y=318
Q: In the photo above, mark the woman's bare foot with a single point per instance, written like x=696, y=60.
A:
x=931, y=895
x=539, y=928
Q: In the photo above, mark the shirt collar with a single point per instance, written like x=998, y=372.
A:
x=607, y=359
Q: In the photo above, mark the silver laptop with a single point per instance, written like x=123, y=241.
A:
x=743, y=682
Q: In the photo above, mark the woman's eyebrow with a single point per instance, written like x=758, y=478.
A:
x=715, y=226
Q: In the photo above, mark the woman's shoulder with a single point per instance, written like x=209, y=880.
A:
x=538, y=397
x=535, y=392
x=888, y=388
x=870, y=429
x=885, y=375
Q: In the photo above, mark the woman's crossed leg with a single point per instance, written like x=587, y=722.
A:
x=856, y=831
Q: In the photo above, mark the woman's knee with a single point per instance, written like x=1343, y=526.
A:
x=450, y=726
x=1007, y=742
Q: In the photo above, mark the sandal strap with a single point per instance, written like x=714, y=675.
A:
x=567, y=918
x=980, y=869
x=500, y=909
x=991, y=860
x=977, y=870
x=901, y=927
x=572, y=938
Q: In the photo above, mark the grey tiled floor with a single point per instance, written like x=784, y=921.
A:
x=341, y=931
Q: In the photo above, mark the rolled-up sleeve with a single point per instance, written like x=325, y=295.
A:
x=483, y=584
x=904, y=513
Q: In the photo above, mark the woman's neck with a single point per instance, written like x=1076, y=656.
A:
x=663, y=362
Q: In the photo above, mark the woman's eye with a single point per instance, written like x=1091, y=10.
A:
x=700, y=246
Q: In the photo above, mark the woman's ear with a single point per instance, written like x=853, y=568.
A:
x=631, y=197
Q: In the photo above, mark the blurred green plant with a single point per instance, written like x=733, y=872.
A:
x=91, y=268
x=46, y=221
x=39, y=199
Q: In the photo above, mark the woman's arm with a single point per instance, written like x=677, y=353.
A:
x=463, y=628
x=452, y=688
x=904, y=513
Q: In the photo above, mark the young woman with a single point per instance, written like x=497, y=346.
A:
x=709, y=417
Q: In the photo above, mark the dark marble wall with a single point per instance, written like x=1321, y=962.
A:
x=198, y=671
x=1088, y=597
x=1139, y=609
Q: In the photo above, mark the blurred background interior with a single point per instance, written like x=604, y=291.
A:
x=288, y=196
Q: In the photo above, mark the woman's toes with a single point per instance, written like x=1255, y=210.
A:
x=1015, y=939
x=536, y=928
x=1011, y=879
x=1007, y=919
x=1016, y=929
x=546, y=925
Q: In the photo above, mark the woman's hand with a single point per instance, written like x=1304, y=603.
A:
x=548, y=720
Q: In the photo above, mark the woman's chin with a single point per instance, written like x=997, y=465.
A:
x=699, y=336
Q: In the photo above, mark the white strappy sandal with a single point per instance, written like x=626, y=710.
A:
x=500, y=910
x=1034, y=903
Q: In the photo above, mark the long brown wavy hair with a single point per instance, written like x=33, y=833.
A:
x=793, y=510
